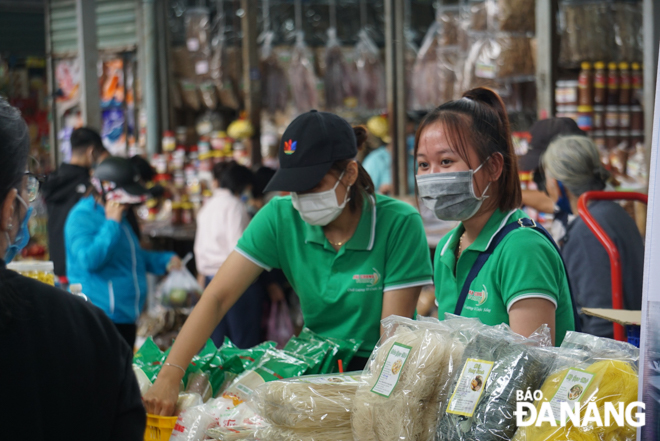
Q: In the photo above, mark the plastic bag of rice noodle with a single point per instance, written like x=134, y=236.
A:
x=587, y=372
x=274, y=365
x=277, y=433
x=405, y=381
x=496, y=364
x=341, y=349
x=236, y=360
x=315, y=352
x=147, y=362
x=232, y=433
x=309, y=402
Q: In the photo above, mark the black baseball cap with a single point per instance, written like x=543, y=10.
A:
x=310, y=145
x=543, y=133
x=123, y=173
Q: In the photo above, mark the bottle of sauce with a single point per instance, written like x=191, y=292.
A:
x=636, y=111
x=612, y=108
x=600, y=83
x=169, y=142
x=624, y=84
x=585, y=86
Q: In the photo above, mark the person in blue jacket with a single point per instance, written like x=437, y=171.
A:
x=102, y=251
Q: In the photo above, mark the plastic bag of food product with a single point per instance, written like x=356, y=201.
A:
x=237, y=361
x=370, y=74
x=343, y=350
x=147, y=362
x=187, y=400
x=586, y=32
x=232, y=433
x=477, y=12
x=338, y=79
x=274, y=365
x=274, y=81
x=588, y=373
x=496, y=365
x=208, y=94
x=512, y=15
x=276, y=433
x=302, y=78
x=180, y=289
x=314, y=351
x=190, y=95
x=198, y=30
x=218, y=70
x=309, y=402
x=405, y=381
x=628, y=30
x=143, y=381
x=192, y=425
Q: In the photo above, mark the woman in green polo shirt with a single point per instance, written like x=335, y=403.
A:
x=467, y=171
x=352, y=256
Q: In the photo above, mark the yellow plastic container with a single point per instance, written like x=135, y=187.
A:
x=159, y=428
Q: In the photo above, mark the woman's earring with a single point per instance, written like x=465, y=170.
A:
x=10, y=226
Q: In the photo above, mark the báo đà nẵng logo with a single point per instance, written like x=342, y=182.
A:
x=565, y=407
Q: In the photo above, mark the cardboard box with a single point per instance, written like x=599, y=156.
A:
x=620, y=316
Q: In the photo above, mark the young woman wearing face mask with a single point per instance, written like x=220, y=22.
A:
x=84, y=357
x=352, y=257
x=467, y=172
x=103, y=252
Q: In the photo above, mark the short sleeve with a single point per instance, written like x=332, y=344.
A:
x=408, y=261
x=259, y=241
x=530, y=267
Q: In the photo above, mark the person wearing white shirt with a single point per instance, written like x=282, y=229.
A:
x=220, y=223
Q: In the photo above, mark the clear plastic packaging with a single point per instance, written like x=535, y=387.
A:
x=628, y=30
x=338, y=79
x=219, y=72
x=197, y=23
x=274, y=433
x=512, y=15
x=496, y=364
x=309, y=402
x=406, y=380
x=302, y=78
x=187, y=400
x=586, y=29
x=275, y=82
x=42, y=271
x=588, y=370
x=370, y=74
x=180, y=289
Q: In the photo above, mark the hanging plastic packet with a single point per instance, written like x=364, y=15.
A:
x=309, y=402
x=302, y=79
x=275, y=85
x=496, y=365
x=594, y=375
x=314, y=351
x=221, y=80
x=237, y=361
x=339, y=84
x=406, y=380
x=147, y=362
x=274, y=365
x=370, y=74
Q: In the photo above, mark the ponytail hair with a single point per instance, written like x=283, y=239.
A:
x=361, y=135
x=479, y=121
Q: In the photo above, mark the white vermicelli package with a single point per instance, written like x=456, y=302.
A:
x=192, y=425
x=405, y=381
x=309, y=402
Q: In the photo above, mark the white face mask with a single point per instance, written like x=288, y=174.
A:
x=320, y=208
x=451, y=195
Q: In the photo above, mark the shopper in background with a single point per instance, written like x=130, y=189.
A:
x=352, y=257
x=66, y=186
x=575, y=162
x=220, y=224
x=102, y=250
x=67, y=359
x=468, y=172
x=543, y=132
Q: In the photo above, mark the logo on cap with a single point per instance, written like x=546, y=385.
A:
x=290, y=147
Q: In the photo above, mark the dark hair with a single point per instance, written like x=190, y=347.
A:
x=480, y=120
x=219, y=169
x=261, y=178
x=236, y=178
x=363, y=184
x=14, y=147
x=147, y=172
x=361, y=134
x=84, y=138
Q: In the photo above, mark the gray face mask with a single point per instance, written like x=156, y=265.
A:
x=451, y=195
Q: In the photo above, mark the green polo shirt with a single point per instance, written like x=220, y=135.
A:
x=524, y=265
x=341, y=292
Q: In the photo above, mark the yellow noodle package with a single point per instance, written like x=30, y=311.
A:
x=601, y=381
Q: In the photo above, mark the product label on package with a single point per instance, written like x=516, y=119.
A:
x=193, y=44
x=571, y=390
x=339, y=379
x=202, y=67
x=391, y=371
x=470, y=387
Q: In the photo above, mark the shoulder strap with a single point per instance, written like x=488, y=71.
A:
x=483, y=257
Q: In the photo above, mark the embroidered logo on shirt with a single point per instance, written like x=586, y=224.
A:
x=290, y=147
x=372, y=279
x=479, y=297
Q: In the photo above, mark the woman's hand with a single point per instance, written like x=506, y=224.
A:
x=114, y=211
x=175, y=264
x=162, y=396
